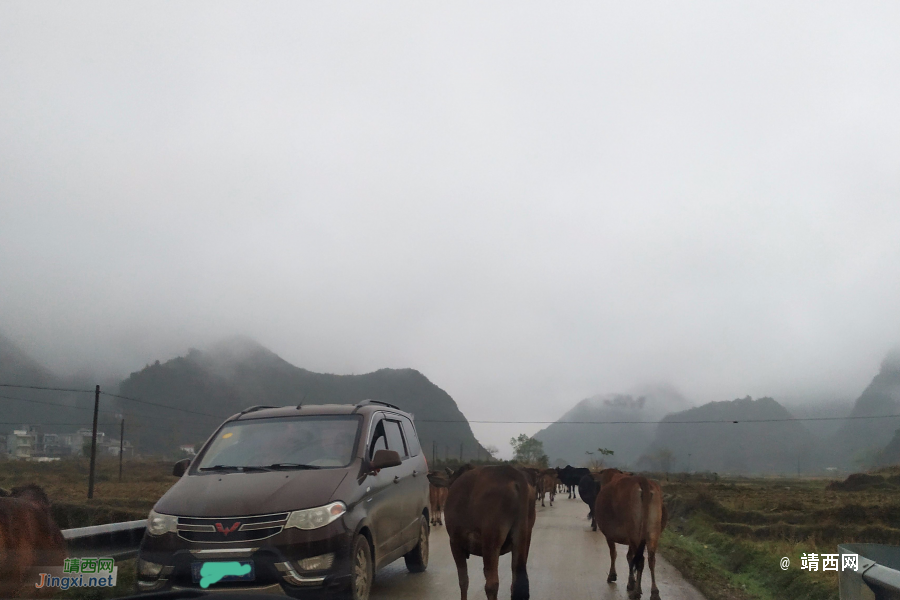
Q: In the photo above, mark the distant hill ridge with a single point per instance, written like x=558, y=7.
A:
x=239, y=373
x=744, y=436
x=576, y=432
x=861, y=439
x=55, y=411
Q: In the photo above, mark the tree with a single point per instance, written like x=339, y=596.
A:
x=593, y=463
x=529, y=451
x=664, y=456
x=492, y=450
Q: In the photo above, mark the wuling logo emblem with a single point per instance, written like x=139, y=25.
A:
x=224, y=531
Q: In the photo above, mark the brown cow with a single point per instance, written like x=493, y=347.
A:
x=28, y=538
x=490, y=511
x=547, y=482
x=439, y=484
x=629, y=510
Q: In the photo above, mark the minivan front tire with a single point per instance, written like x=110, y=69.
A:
x=417, y=558
x=361, y=570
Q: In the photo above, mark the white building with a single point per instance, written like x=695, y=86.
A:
x=21, y=443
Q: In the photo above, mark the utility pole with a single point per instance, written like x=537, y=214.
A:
x=94, y=442
x=121, y=447
x=460, y=451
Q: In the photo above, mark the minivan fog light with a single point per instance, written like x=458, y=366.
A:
x=158, y=524
x=313, y=518
x=149, y=569
x=317, y=563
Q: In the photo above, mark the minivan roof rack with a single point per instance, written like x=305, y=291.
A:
x=255, y=408
x=365, y=402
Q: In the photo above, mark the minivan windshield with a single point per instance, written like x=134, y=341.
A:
x=309, y=442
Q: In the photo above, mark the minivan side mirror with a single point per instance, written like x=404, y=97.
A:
x=384, y=459
x=181, y=466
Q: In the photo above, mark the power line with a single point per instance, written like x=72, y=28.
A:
x=482, y=422
x=55, y=389
x=41, y=424
x=45, y=402
x=656, y=422
x=103, y=410
x=37, y=387
x=193, y=412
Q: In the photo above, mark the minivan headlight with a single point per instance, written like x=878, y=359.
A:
x=158, y=524
x=313, y=518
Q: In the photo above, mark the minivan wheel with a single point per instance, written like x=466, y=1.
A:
x=361, y=574
x=417, y=558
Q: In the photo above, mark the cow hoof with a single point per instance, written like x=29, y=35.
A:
x=611, y=578
x=630, y=586
x=654, y=595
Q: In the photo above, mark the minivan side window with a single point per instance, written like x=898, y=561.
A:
x=379, y=440
x=412, y=440
x=395, y=438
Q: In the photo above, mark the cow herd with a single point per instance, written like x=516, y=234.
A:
x=490, y=511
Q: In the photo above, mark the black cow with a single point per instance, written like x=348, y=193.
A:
x=587, y=489
x=570, y=476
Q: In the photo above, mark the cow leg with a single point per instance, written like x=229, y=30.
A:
x=651, y=560
x=520, y=549
x=612, y=561
x=542, y=499
x=491, y=552
x=629, y=559
x=520, y=589
x=462, y=571
x=638, y=572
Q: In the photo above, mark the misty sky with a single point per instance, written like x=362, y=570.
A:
x=530, y=203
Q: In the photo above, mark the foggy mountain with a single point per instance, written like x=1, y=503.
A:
x=570, y=442
x=858, y=441
x=239, y=373
x=890, y=454
x=55, y=411
x=742, y=447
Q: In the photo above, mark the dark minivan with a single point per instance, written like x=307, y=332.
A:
x=302, y=500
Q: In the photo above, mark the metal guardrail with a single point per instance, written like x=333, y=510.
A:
x=117, y=540
x=877, y=576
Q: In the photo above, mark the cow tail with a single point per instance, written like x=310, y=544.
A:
x=646, y=500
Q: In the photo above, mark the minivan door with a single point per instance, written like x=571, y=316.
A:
x=405, y=480
x=382, y=496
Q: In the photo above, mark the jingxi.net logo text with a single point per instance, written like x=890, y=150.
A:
x=79, y=572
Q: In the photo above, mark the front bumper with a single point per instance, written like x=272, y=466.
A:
x=276, y=564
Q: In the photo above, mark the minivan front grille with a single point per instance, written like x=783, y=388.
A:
x=230, y=529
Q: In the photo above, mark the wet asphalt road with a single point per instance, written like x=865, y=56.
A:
x=567, y=560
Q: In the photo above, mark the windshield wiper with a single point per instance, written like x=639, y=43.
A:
x=232, y=468
x=287, y=466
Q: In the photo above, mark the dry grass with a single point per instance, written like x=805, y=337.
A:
x=743, y=526
x=66, y=483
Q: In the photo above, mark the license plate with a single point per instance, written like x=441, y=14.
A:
x=223, y=571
